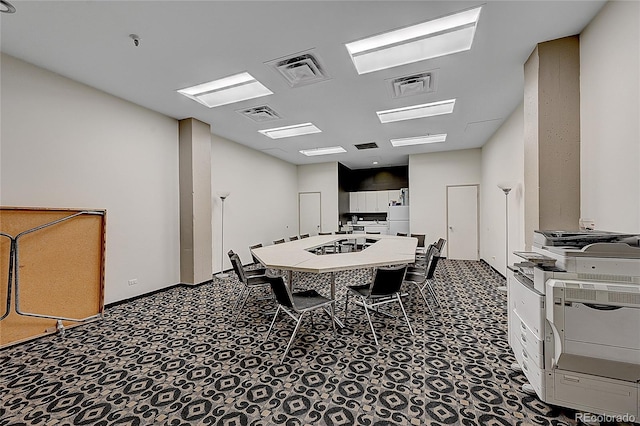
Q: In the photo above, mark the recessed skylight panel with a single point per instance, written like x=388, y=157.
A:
x=323, y=151
x=418, y=140
x=417, y=111
x=290, y=131
x=431, y=39
x=235, y=88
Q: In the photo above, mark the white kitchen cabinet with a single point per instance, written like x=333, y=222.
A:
x=353, y=202
x=371, y=201
x=382, y=201
x=362, y=201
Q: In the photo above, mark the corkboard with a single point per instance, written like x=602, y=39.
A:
x=60, y=269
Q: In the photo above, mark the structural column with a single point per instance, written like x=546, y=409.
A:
x=196, y=263
x=552, y=137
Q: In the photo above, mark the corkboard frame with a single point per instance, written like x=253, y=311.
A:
x=60, y=269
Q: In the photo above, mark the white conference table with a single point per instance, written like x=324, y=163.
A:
x=299, y=255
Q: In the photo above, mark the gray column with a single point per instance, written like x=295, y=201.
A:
x=196, y=264
x=552, y=137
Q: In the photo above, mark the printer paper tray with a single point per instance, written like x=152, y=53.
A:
x=600, y=367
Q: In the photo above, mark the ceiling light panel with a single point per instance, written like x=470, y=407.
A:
x=417, y=111
x=290, y=131
x=323, y=151
x=431, y=39
x=235, y=88
x=418, y=140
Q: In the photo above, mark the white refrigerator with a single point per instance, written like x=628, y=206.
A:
x=398, y=219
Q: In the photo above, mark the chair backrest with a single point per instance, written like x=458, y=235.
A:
x=440, y=244
x=431, y=270
x=237, y=266
x=281, y=291
x=255, y=246
x=295, y=237
x=324, y=233
x=304, y=236
x=401, y=234
x=420, y=238
x=388, y=280
x=280, y=241
x=341, y=232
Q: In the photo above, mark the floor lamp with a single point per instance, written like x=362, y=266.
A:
x=506, y=189
x=223, y=196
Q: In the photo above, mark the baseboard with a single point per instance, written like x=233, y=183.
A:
x=494, y=269
x=140, y=296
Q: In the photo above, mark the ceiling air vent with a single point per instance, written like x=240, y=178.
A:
x=414, y=84
x=300, y=69
x=260, y=114
x=368, y=145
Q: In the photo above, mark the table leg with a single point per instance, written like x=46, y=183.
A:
x=333, y=296
x=290, y=279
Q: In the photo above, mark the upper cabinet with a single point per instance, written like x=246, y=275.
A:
x=371, y=201
x=382, y=201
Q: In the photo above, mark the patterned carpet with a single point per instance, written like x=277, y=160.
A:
x=177, y=358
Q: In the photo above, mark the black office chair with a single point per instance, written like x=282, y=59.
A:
x=304, y=236
x=422, y=261
x=280, y=241
x=295, y=237
x=440, y=244
x=328, y=248
x=384, y=288
x=369, y=241
x=250, y=272
x=296, y=305
x=401, y=234
x=425, y=280
x=420, y=238
x=420, y=249
x=256, y=262
x=249, y=282
x=351, y=244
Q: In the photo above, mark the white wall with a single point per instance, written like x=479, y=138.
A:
x=503, y=164
x=65, y=144
x=263, y=204
x=429, y=175
x=610, y=118
x=322, y=178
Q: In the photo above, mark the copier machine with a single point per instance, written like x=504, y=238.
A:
x=574, y=320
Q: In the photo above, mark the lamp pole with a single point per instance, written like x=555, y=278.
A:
x=222, y=274
x=506, y=227
x=506, y=190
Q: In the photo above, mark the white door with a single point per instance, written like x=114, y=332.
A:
x=462, y=222
x=309, y=212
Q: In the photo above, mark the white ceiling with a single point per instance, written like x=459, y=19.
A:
x=183, y=43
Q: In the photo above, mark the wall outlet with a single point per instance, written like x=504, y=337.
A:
x=133, y=281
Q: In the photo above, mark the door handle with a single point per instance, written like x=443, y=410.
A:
x=451, y=228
